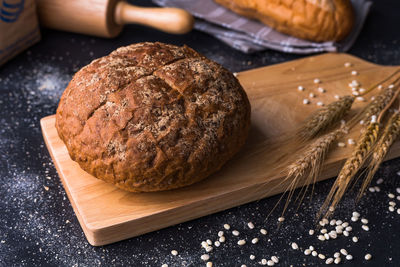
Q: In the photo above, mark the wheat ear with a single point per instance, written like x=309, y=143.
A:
x=352, y=165
x=308, y=165
x=390, y=134
x=325, y=117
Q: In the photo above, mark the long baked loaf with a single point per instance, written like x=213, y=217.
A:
x=316, y=20
x=153, y=116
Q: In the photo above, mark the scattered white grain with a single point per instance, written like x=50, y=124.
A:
x=209, y=242
x=355, y=239
x=337, y=96
x=345, y=224
x=326, y=236
x=344, y=251
x=300, y=88
x=391, y=208
x=241, y=242
x=377, y=189
x=263, y=231
x=321, y=256
x=220, y=233
x=347, y=64
x=321, y=104
x=174, y=252
x=354, y=89
x=311, y=248
x=368, y=256
x=235, y=74
x=349, y=228
x=365, y=227
x=360, y=99
x=329, y=261
x=351, y=141
x=392, y=203
x=336, y=255
x=307, y=252
x=209, y=264
x=314, y=253
x=294, y=246
x=250, y=225
x=391, y=86
x=227, y=226
x=321, y=237
x=398, y=211
x=306, y=101
x=390, y=195
x=254, y=240
x=339, y=227
x=355, y=83
x=398, y=197
x=333, y=234
x=371, y=189
x=252, y=257
x=222, y=239
x=311, y=232
x=275, y=259
x=317, y=80
x=349, y=257
x=217, y=243
x=235, y=232
x=164, y=265
x=281, y=219
x=354, y=73
x=373, y=118
x=398, y=190
x=323, y=231
x=341, y=144
x=204, y=244
x=264, y=262
x=362, y=90
x=356, y=93
x=243, y=265
x=311, y=95
x=321, y=90
x=270, y=263
x=364, y=221
x=209, y=249
x=345, y=233
x=332, y=222
x=379, y=181
x=380, y=87
x=338, y=260
x=205, y=257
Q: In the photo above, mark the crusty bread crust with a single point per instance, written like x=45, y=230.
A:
x=315, y=20
x=152, y=116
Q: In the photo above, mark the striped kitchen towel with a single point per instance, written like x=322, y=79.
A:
x=251, y=36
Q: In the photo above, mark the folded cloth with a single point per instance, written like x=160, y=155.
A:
x=251, y=36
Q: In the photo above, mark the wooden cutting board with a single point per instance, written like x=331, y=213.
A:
x=108, y=214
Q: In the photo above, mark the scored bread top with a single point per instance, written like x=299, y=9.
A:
x=152, y=116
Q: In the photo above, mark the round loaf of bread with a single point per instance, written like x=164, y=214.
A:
x=153, y=116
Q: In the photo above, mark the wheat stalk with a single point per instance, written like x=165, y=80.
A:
x=310, y=162
x=378, y=104
x=325, y=117
x=390, y=134
x=352, y=165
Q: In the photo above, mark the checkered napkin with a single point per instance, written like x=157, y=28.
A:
x=251, y=36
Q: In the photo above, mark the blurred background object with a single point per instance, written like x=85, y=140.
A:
x=248, y=35
x=19, y=27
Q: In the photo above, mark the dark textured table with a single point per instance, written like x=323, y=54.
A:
x=39, y=227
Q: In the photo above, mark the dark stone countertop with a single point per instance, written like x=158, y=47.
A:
x=39, y=227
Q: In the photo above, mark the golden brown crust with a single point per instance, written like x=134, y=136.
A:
x=152, y=117
x=315, y=20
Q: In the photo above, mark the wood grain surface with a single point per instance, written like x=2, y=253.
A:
x=108, y=214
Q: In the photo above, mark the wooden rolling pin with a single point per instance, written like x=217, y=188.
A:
x=106, y=18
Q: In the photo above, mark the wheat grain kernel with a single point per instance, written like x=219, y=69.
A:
x=336, y=255
x=307, y=252
x=317, y=80
x=209, y=242
x=323, y=231
x=220, y=233
x=349, y=228
x=344, y=251
x=356, y=93
x=365, y=227
x=337, y=97
x=398, y=197
x=235, y=232
x=227, y=226
x=321, y=237
x=354, y=73
x=311, y=232
x=368, y=256
x=333, y=234
x=339, y=227
x=209, y=264
x=338, y=260
x=321, y=90
x=300, y=88
x=205, y=257
x=341, y=144
x=360, y=99
x=329, y=261
x=295, y=246
x=254, y=240
x=222, y=239
x=250, y=225
x=270, y=263
x=345, y=233
x=391, y=208
x=252, y=257
x=209, y=249
x=204, y=244
x=347, y=64
x=391, y=86
x=306, y=101
x=349, y=257
x=264, y=262
x=243, y=265
x=174, y=252
x=332, y=222
x=364, y=221
x=319, y=103
x=311, y=248
x=398, y=190
x=379, y=181
x=392, y=203
x=356, y=214
x=362, y=90
x=281, y=219
x=241, y=242
x=217, y=243
x=371, y=189
x=311, y=95
x=390, y=195
x=321, y=256
x=326, y=236
x=355, y=239
x=314, y=253
x=345, y=224
x=164, y=265
x=351, y=141
x=263, y=231
x=275, y=259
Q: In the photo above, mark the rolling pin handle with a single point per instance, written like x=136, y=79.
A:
x=171, y=20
